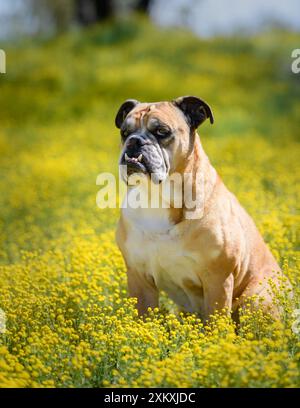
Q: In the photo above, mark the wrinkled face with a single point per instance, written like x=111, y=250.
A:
x=155, y=137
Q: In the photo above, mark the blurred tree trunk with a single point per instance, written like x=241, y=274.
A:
x=143, y=5
x=90, y=11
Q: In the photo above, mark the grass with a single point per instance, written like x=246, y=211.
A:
x=63, y=282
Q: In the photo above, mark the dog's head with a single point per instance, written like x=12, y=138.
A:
x=157, y=138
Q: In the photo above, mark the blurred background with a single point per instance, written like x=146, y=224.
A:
x=204, y=17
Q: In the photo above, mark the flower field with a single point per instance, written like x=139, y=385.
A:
x=69, y=322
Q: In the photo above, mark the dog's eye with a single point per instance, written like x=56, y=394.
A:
x=162, y=132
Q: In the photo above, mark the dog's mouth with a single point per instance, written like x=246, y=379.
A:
x=134, y=164
x=151, y=165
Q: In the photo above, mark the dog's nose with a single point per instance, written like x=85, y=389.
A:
x=134, y=142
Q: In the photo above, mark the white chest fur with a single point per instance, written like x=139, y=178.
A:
x=156, y=247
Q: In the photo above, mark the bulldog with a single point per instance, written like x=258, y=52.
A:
x=214, y=260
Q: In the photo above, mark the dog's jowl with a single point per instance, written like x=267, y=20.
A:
x=204, y=258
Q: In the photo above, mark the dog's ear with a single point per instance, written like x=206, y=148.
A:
x=195, y=110
x=125, y=108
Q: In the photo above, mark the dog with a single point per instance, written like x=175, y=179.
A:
x=210, y=262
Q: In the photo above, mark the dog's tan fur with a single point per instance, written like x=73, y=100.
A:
x=217, y=258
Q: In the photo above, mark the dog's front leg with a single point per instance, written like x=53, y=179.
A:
x=143, y=288
x=218, y=295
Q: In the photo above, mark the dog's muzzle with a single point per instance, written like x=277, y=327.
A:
x=141, y=154
x=132, y=156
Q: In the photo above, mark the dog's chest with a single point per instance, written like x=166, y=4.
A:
x=155, y=247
